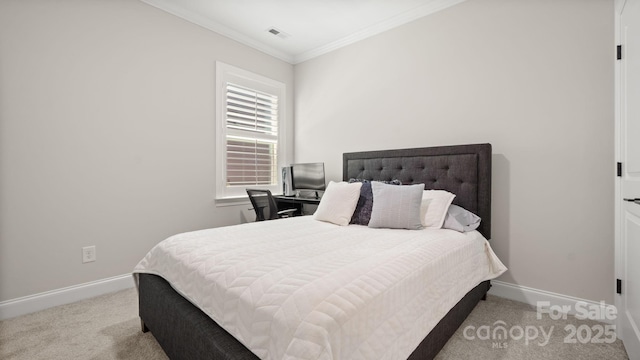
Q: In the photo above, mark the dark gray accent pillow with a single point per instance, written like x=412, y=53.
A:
x=396, y=207
x=460, y=219
x=362, y=214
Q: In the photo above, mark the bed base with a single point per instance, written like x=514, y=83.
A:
x=185, y=332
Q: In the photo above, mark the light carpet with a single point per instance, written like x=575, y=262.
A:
x=108, y=327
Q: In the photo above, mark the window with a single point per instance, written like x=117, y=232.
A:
x=250, y=127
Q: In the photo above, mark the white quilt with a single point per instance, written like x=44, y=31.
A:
x=303, y=289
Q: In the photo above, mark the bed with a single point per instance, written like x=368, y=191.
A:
x=188, y=331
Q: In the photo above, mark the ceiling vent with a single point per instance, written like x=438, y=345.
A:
x=277, y=32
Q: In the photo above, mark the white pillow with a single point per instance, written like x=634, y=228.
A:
x=338, y=202
x=433, y=209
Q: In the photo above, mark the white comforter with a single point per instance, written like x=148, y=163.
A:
x=304, y=289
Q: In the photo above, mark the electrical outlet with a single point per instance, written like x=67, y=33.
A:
x=88, y=254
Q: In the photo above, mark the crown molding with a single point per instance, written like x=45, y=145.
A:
x=406, y=17
x=216, y=27
x=381, y=27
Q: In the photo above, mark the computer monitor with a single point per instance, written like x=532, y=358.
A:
x=308, y=178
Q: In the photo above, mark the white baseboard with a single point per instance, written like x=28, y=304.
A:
x=45, y=300
x=532, y=296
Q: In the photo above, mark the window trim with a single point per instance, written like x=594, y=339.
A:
x=226, y=73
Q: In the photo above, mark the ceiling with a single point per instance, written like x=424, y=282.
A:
x=307, y=28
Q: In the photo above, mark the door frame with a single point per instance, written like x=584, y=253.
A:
x=619, y=259
x=618, y=252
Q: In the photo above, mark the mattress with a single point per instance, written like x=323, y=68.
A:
x=299, y=288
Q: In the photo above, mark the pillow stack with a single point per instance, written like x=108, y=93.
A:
x=392, y=205
x=362, y=214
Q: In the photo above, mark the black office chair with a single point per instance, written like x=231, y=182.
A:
x=265, y=205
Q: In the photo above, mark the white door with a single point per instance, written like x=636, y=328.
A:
x=629, y=152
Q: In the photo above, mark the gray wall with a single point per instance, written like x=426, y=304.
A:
x=106, y=136
x=107, y=128
x=534, y=78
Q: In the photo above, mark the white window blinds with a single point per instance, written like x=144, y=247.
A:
x=251, y=132
x=251, y=122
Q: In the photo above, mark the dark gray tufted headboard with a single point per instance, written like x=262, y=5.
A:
x=464, y=170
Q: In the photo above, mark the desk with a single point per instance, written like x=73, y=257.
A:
x=290, y=202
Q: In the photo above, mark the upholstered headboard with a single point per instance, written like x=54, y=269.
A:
x=464, y=170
